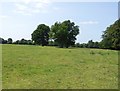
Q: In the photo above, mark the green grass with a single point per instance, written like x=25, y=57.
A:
x=0, y=67
x=39, y=67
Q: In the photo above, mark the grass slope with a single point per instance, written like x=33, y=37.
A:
x=49, y=67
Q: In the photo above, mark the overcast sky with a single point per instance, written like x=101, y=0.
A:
x=20, y=19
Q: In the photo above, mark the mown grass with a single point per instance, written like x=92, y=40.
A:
x=39, y=67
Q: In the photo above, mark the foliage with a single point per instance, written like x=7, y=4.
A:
x=24, y=41
x=111, y=36
x=64, y=34
x=90, y=44
x=2, y=41
x=41, y=35
x=9, y=41
x=52, y=43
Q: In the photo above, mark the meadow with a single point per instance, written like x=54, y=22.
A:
x=36, y=67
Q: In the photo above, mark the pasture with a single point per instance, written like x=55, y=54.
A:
x=36, y=67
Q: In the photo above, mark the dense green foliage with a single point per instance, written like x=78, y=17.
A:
x=41, y=35
x=64, y=34
x=36, y=67
x=2, y=41
x=111, y=37
x=9, y=41
x=90, y=44
x=24, y=41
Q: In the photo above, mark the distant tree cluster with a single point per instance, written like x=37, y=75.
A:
x=3, y=41
x=60, y=34
x=90, y=44
x=24, y=42
x=10, y=41
x=63, y=34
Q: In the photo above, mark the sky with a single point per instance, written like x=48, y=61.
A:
x=19, y=19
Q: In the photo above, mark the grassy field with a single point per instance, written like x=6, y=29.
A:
x=39, y=67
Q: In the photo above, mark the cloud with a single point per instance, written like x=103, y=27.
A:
x=88, y=22
x=29, y=7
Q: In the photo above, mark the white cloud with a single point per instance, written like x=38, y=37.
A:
x=29, y=7
x=88, y=22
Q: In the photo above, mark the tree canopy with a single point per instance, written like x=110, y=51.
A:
x=9, y=41
x=41, y=35
x=64, y=34
x=111, y=36
x=2, y=41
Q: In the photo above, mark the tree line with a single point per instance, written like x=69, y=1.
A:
x=63, y=34
x=10, y=41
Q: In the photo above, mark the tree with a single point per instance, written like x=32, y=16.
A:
x=2, y=41
x=23, y=41
x=9, y=41
x=16, y=42
x=111, y=36
x=96, y=45
x=29, y=42
x=41, y=35
x=84, y=45
x=64, y=34
x=77, y=45
x=90, y=44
